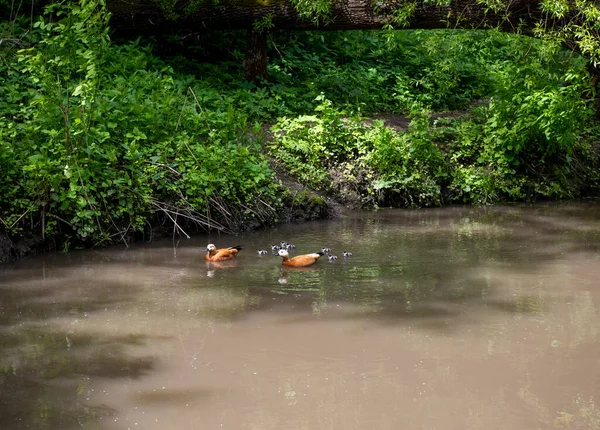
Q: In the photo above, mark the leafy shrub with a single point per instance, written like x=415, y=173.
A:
x=96, y=138
x=403, y=169
x=410, y=165
x=309, y=144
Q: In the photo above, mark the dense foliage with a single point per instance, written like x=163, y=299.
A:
x=100, y=140
x=528, y=132
x=97, y=137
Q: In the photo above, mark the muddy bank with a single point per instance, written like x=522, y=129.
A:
x=11, y=250
x=299, y=204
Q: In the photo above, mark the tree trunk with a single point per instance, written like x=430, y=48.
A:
x=146, y=16
x=255, y=62
x=187, y=18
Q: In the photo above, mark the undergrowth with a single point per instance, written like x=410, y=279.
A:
x=98, y=142
x=103, y=141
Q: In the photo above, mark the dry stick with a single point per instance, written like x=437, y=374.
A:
x=182, y=108
x=222, y=210
x=175, y=225
x=190, y=90
x=208, y=216
x=115, y=225
x=255, y=212
x=214, y=200
x=151, y=231
x=200, y=107
x=267, y=205
x=276, y=48
x=113, y=235
x=259, y=214
x=197, y=103
x=18, y=219
x=61, y=219
x=123, y=235
x=165, y=166
x=206, y=119
x=164, y=207
x=44, y=221
x=192, y=215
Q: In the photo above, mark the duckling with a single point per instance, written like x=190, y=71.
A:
x=262, y=252
x=221, y=254
x=325, y=250
x=299, y=260
x=347, y=254
x=290, y=246
x=332, y=257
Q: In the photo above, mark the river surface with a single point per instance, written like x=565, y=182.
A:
x=454, y=318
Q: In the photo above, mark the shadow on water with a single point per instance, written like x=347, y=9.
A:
x=426, y=268
x=45, y=372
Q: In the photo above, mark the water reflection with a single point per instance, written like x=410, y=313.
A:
x=453, y=318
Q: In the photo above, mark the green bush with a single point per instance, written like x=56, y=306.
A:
x=97, y=138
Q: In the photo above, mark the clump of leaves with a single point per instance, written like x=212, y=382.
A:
x=323, y=151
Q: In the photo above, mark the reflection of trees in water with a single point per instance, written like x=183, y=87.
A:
x=45, y=372
x=432, y=263
x=428, y=269
x=582, y=413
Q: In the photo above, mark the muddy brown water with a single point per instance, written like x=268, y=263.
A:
x=455, y=318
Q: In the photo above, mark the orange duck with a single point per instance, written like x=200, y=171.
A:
x=221, y=254
x=299, y=260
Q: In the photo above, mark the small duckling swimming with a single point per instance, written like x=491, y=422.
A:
x=262, y=252
x=332, y=257
x=347, y=254
x=325, y=250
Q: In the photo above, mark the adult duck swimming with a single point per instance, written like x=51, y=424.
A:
x=221, y=254
x=299, y=260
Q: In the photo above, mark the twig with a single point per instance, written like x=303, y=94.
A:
x=267, y=205
x=276, y=48
x=61, y=219
x=115, y=225
x=182, y=108
x=175, y=225
x=219, y=205
x=197, y=103
x=166, y=166
x=18, y=219
x=123, y=235
x=200, y=107
x=189, y=214
x=14, y=41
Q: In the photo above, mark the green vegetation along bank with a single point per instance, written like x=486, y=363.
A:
x=105, y=141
